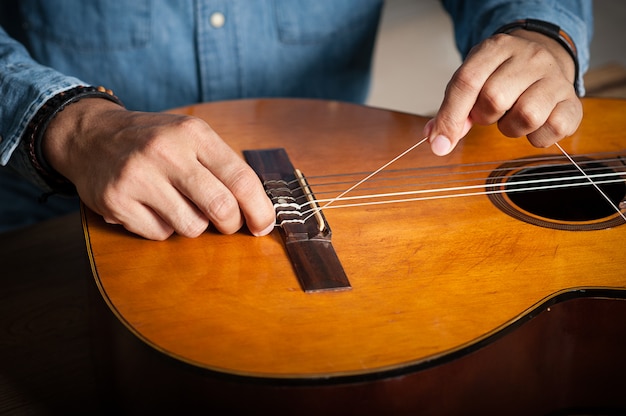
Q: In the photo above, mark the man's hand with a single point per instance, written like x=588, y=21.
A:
x=155, y=173
x=523, y=81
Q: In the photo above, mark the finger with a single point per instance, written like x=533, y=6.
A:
x=141, y=220
x=440, y=145
x=562, y=122
x=241, y=182
x=501, y=91
x=257, y=208
x=211, y=197
x=176, y=210
x=548, y=105
x=249, y=193
x=514, y=77
x=461, y=95
x=166, y=209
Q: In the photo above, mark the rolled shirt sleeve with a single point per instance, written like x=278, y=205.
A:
x=25, y=86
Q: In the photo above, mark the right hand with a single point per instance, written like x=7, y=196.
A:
x=155, y=173
x=523, y=81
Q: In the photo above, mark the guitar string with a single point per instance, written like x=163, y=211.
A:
x=591, y=180
x=457, y=195
x=481, y=185
x=470, y=187
x=502, y=190
x=594, y=159
x=390, y=181
x=535, y=188
x=368, y=177
x=588, y=181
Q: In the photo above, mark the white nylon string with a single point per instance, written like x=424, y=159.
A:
x=456, y=195
x=453, y=192
x=591, y=180
x=369, y=176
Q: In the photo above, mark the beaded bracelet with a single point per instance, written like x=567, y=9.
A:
x=36, y=128
x=551, y=30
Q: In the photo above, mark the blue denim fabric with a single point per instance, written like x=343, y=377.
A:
x=159, y=54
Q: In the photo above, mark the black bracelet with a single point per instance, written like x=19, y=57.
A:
x=36, y=128
x=550, y=30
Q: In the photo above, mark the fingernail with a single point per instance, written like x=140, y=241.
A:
x=265, y=231
x=440, y=145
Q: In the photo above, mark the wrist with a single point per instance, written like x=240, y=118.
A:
x=43, y=137
x=71, y=130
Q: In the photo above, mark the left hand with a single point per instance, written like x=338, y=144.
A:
x=524, y=81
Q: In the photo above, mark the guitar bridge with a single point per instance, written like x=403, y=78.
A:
x=303, y=227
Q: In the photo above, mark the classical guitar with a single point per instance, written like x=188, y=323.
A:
x=490, y=280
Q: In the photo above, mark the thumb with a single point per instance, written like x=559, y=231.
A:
x=441, y=141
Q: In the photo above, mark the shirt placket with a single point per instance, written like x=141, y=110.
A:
x=216, y=39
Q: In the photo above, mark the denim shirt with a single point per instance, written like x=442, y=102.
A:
x=160, y=54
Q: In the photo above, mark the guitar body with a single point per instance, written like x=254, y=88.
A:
x=457, y=304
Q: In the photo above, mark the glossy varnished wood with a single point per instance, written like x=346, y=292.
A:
x=428, y=278
x=569, y=357
x=568, y=360
x=431, y=281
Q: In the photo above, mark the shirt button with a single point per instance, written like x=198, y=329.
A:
x=217, y=20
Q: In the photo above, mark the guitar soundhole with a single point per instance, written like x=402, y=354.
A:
x=551, y=193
